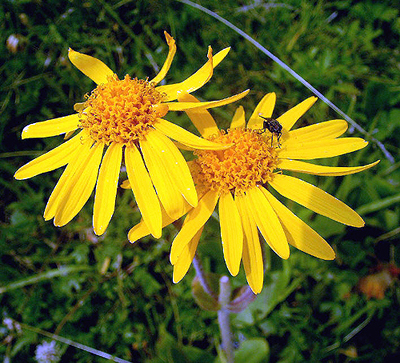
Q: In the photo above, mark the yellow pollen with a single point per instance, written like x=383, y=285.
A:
x=249, y=162
x=121, y=111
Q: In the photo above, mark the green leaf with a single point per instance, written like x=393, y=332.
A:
x=203, y=299
x=196, y=355
x=276, y=289
x=378, y=205
x=253, y=351
x=169, y=350
x=48, y=275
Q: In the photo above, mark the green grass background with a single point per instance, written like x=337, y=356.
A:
x=119, y=298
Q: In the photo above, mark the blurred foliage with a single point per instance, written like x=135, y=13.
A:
x=119, y=298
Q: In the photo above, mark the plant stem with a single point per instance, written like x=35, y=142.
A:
x=73, y=344
x=223, y=318
x=202, y=277
x=245, y=297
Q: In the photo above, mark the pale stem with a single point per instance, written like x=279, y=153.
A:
x=247, y=296
x=202, y=277
x=223, y=318
x=73, y=344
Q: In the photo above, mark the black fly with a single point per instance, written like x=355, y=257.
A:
x=273, y=126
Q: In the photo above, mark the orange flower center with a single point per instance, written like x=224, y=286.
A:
x=249, y=162
x=121, y=111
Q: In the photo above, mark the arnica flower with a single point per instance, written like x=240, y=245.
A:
x=123, y=117
x=239, y=178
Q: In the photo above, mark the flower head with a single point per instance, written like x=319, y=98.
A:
x=123, y=117
x=238, y=179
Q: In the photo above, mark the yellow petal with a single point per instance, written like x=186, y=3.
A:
x=79, y=187
x=195, y=219
x=186, y=257
x=161, y=175
x=79, y=106
x=106, y=189
x=55, y=126
x=289, y=118
x=315, y=199
x=187, y=138
x=324, y=148
x=138, y=231
x=298, y=233
x=196, y=80
x=53, y=159
x=264, y=108
x=252, y=253
x=78, y=160
x=171, y=53
x=170, y=197
x=267, y=221
x=192, y=83
x=143, y=190
x=92, y=67
x=68, y=135
x=302, y=167
x=323, y=130
x=175, y=164
x=231, y=232
x=183, y=106
x=218, y=58
x=125, y=184
x=238, y=120
x=180, y=146
x=141, y=229
x=201, y=118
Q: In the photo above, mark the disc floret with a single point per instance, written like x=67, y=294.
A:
x=121, y=111
x=249, y=162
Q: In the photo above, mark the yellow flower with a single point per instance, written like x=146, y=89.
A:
x=238, y=178
x=123, y=116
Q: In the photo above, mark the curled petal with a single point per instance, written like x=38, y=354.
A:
x=191, y=84
x=197, y=80
x=307, y=168
x=183, y=106
x=171, y=53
